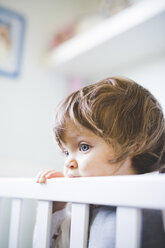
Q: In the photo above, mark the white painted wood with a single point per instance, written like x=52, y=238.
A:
x=79, y=225
x=92, y=45
x=127, y=192
x=15, y=223
x=42, y=234
x=141, y=189
x=128, y=224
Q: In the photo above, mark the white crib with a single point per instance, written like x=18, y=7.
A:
x=128, y=193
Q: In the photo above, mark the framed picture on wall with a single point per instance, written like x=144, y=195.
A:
x=12, y=30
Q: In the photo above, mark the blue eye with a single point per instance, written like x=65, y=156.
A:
x=66, y=153
x=84, y=147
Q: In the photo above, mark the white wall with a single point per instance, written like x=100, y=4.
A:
x=27, y=103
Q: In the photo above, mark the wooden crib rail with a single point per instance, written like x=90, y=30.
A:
x=128, y=193
x=133, y=191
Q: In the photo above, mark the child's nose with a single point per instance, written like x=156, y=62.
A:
x=71, y=164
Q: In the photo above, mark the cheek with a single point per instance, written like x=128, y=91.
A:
x=86, y=166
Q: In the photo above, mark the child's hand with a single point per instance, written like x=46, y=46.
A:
x=48, y=174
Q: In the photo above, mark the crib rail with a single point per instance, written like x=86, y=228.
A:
x=133, y=191
x=128, y=193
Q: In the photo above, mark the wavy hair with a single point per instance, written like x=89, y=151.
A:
x=126, y=115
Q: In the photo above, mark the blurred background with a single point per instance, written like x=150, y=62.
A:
x=66, y=45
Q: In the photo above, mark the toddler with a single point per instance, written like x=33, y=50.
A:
x=113, y=127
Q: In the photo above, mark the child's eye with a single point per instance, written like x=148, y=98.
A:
x=66, y=153
x=84, y=147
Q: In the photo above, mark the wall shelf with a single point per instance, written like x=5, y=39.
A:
x=135, y=34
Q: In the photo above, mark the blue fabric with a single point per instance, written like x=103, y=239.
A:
x=103, y=225
x=153, y=234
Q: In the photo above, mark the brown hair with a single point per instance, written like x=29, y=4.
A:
x=124, y=114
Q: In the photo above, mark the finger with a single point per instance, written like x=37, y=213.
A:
x=47, y=172
x=41, y=176
x=53, y=174
x=40, y=173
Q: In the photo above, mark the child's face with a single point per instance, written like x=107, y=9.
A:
x=89, y=155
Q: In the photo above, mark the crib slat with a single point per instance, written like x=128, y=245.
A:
x=79, y=225
x=15, y=223
x=44, y=213
x=128, y=227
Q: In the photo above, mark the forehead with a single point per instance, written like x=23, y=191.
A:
x=75, y=130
